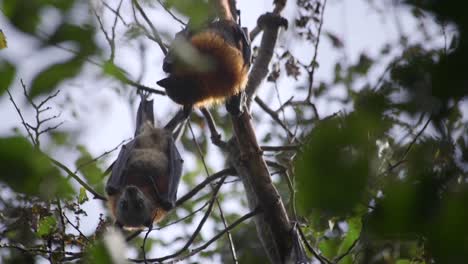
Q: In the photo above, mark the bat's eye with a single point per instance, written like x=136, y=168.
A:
x=123, y=205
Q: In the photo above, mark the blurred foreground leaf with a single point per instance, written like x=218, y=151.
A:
x=28, y=171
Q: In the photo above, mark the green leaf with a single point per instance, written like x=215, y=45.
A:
x=7, y=71
x=98, y=253
x=198, y=11
x=29, y=171
x=329, y=247
x=46, y=226
x=3, y=40
x=118, y=73
x=83, y=197
x=88, y=167
x=403, y=261
x=23, y=14
x=333, y=169
x=83, y=36
x=47, y=80
x=354, y=230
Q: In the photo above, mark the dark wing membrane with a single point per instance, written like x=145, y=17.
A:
x=174, y=173
x=117, y=180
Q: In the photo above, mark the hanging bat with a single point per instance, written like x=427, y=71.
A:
x=208, y=65
x=143, y=184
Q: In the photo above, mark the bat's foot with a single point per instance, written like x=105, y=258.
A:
x=187, y=111
x=179, y=118
x=235, y=104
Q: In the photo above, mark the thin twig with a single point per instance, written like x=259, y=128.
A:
x=408, y=148
x=171, y=14
x=77, y=178
x=200, y=186
x=100, y=156
x=281, y=148
x=313, y=63
x=216, y=237
x=319, y=257
x=22, y=118
x=273, y=115
x=156, y=36
x=195, y=233
x=229, y=236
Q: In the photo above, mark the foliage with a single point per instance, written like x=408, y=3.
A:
x=382, y=180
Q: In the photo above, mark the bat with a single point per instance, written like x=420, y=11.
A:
x=208, y=65
x=143, y=184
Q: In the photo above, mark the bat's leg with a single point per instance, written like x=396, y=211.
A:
x=235, y=104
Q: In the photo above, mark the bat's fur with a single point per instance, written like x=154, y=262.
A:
x=227, y=76
x=148, y=160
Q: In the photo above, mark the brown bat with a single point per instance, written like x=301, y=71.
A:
x=209, y=64
x=143, y=184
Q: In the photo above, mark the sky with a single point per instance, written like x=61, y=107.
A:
x=104, y=118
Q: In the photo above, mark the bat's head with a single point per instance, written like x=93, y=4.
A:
x=133, y=208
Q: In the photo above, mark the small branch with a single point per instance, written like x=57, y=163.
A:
x=77, y=178
x=208, y=180
x=156, y=36
x=231, y=243
x=76, y=228
x=279, y=6
x=145, y=88
x=408, y=149
x=100, y=156
x=172, y=14
x=195, y=233
x=25, y=125
x=273, y=115
x=313, y=63
x=215, y=136
x=281, y=148
x=220, y=234
x=270, y=23
x=319, y=257
x=117, y=14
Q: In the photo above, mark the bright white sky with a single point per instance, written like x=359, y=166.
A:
x=104, y=118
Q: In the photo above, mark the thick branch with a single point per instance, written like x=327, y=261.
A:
x=270, y=23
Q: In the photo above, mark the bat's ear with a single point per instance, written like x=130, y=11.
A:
x=166, y=82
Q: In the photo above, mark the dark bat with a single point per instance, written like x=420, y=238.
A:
x=143, y=184
x=207, y=65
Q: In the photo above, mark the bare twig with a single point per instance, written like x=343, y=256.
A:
x=100, y=156
x=319, y=257
x=194, y=234
x=229, y=236
x=208, y=180
x=408, y=148
x=25, y=125
x=156, y=36
x=76, y=228
x=313, y=63
x=216, y=237
x=171, y=14
x=77, y=178
x=281, y=148
x=273, y=115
